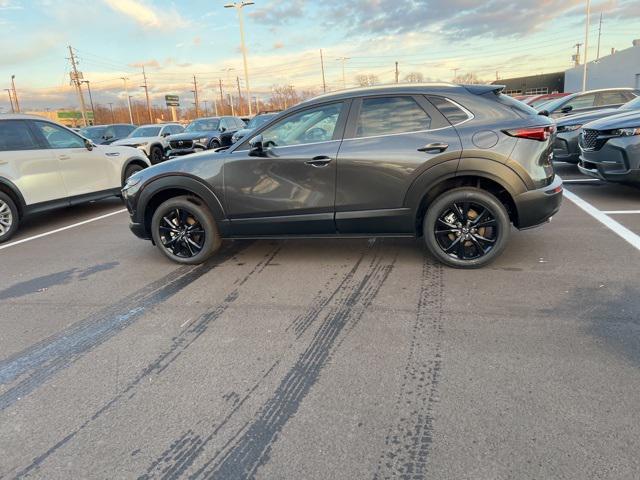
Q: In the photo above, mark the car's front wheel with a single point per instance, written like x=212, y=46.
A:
x=185, y=231
x=156, y=155
x=213, y=144
x=466, y=227
x=8, y=217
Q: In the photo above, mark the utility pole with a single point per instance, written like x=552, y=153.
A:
x=146, y=92
x=75, y=78
x=93, y=110
x=233, y=112
x=239, y=6
x=206, y=112
x=344, y=78
x=126, y=89
x=15, y=93
x=8, y=90
x=397, y=74
x=455, y=74
x=599, y=35
x=586, y=47
x=576, y=57
x=113, y=118
x=215, y=106
x=221, y=95
x=240, y=97
x=195, y=94
x=324, y=83
x=137, y=112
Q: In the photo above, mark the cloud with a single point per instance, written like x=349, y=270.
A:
x=279, y=14
x=153, y=63
x=278, y=45
x=147, y=15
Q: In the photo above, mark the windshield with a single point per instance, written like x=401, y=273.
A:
x=631, y=104
x=93, y=133
x=145, y=132
x=258, y=120
x=205, y=125
x=555, y=104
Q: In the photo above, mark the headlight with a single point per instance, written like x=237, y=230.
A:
x=626, y=132
x=203, y=140
x=234, y=139
x=568, y=128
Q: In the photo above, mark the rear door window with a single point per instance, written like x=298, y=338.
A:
x=611, y=98
x=391, y=115
x=581, y=101
x=15, y=135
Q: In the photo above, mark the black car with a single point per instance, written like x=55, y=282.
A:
x=591, y=100
x=610, y=148
x=107, y=134
x=254, y=123
x=565, y=148
x=203, y=134
x=456, y=165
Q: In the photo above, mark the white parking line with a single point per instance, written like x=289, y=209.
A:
x=620, y=212
x=602, y=217
x=62, y=229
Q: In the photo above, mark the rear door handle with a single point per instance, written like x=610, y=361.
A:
x=434, y=147
x=319, y=161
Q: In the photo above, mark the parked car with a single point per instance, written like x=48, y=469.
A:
x=107, y=134
x=151, y=139
x=535, y=101
x=456, y=165
x=254, y=123
x=565, y=147
x=610, y=148
x=203, y=134
x=44, y=165
x=588, y=101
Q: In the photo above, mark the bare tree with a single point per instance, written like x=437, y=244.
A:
x=367, y=79
x=414, y=77
x=468, y=78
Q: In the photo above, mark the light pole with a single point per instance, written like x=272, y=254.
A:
x=13, y=110
x=15, y=94
x=586, y=47
x=126, y=89
x=344, y=78
x=93, y=110
x=239, y=6
x=113, y=118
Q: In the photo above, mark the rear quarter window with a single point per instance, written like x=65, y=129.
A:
x=450, y=110
x=520, y=108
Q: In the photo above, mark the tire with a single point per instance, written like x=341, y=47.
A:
x=214, y=144
x=170, y=226
x=466, y=228
x=156, y=155
x=130, y=170
x=9, y=218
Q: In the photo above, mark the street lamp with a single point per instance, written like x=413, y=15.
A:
x=93, y=110
x=126, y=89
x=239, y=6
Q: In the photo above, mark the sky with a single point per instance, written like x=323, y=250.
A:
x=176, y=40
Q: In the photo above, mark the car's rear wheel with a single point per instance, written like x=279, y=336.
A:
x=466, y=227
x=156, y=155
x=8, y=217
x=185, y=230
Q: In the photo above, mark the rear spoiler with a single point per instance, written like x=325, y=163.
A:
x=482, y=89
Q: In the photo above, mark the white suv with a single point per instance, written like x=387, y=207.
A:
x=151, y=139
x=44, y=165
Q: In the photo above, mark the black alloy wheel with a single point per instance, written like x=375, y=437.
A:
x=156, y=155
x=466, y=227
x=181, y=233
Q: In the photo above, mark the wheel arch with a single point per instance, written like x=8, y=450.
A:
x=132, y=161
x=164, y=188
x=9, y=188
x=485, y=174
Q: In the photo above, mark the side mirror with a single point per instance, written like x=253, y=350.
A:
x=544, y=113
x=255, y=146
x=223, y=129
x=566, y=109
x=88, y=145
x=166, y=134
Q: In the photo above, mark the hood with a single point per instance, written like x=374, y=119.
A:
x=191, y=135
x=622, y=120
x=135, y=140
x=582, y=118
x=122, y=150
x=202, y=164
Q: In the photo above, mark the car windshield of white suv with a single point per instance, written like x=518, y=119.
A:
x=145, y=132
x=93, y=133
x=202, y=126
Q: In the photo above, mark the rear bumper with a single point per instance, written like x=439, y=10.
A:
x=536, y=207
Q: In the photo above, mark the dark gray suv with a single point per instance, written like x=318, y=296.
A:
x=456, y=165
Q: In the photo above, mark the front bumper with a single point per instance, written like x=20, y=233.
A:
x=536, y=207
x=617, y=161
x=565, y=147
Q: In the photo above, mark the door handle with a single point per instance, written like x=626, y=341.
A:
x=434, y=147
x=319, y=161
x=64, y=157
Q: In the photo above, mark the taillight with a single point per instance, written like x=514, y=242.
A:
x=541, y=134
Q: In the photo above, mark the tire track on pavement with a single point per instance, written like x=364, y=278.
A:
x=250, y=447
x=179, y=344
x=408, y=440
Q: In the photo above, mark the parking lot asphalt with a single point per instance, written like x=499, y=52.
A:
x=317, y=359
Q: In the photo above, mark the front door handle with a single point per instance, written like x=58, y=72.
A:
x=434, y=148
x=64, y=157
x=319, y=161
